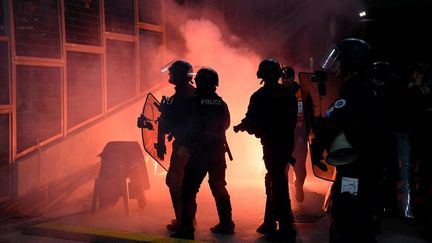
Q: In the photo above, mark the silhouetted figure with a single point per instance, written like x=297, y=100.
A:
x=407, y=134
x=385, y=74
x=420, y=87
x=272, y=117
x=419, y=90
x=358, y=113
x=300, y=134
x=171, y=122
x=209, y=118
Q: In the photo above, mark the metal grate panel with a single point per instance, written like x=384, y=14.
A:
x=84, y=87
x=82, y=20
x=38, y=94
x=121, y=84
x=119, y=16
x=306, y=219
x=4, y=155
x=37, y=29
x=150, y=11
x=4, y=73
x=4, y=140
x=150, y=66
x=2, y=18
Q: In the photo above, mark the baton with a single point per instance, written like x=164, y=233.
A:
x=227, y=149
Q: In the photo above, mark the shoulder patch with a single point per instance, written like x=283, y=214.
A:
x=339, y=103
x=167, y=100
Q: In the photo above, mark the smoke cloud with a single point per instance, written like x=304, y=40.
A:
x=236, y=66
x=293, y=32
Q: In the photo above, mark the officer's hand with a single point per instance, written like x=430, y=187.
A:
x=239, y=127
x=316, y=160
x=316, y=150
x=236, y=129
x=161, y=150
x=292, y=161
x=316, y=156
x=320, y=165
x=141, y=121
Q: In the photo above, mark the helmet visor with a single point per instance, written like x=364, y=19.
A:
x=328, y=61
x=166, y=67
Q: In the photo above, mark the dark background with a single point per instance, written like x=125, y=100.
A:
x=295, y=30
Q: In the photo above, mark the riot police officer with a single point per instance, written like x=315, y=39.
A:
x=300, y=134
x=272, y=117
x=359, y=114
x=209, y=118
x=171, y=122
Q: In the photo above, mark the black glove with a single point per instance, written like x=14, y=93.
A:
x=292, y=161
x=161, y=150
x=239, y=127
x=142, y=122
x=316, y=151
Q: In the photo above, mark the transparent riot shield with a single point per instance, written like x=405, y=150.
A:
x=150, y=131
x=318, y=93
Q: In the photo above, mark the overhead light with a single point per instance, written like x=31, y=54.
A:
x=362, y=14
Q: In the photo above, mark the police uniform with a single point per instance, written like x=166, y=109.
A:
x=209, y=118
x=272, y=117
x=359, y=111
x=172, y=120
x=300, y=144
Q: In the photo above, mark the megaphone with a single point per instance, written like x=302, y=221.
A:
x=341, y=151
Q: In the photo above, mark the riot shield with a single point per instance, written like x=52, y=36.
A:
x=318, y=94
x=150, y=131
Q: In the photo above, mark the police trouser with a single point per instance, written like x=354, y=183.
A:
x=278, y=203
x=354, y=216
x=199, y=164
x=269, y=213
x=174, y=178
x=300, y=154
x=406, y=161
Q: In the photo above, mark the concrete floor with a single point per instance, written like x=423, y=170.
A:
x=248, y=200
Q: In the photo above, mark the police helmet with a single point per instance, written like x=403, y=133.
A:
x=352, y=53
x=206, y=78
x=180, y=72
x=383, y=73
x=269, y=70
x=288, y=72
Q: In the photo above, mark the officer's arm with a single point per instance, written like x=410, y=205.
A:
x=226, y=115
x=249, y=123
x=293, y=110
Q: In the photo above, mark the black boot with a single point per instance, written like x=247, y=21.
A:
x=224, y=228
x=183, y=234
x=267, y=228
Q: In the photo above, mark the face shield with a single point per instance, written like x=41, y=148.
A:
x=166, y=66
x=328, y=61
x=176, y=70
